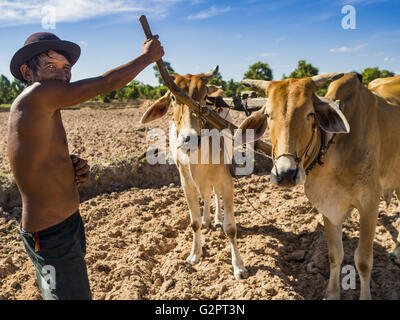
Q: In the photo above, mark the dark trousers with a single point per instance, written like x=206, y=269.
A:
x=58, y=254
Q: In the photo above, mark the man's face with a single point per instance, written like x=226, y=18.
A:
x=53, y=66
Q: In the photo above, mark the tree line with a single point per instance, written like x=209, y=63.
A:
x=9, y=90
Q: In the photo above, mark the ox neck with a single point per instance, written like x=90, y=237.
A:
x=323, y=142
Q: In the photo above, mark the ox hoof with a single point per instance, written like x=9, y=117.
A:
x=241, y=273
x=206, y=224
x=332, y=297
x=332, y=294
x=218, y=225
x=193, y=259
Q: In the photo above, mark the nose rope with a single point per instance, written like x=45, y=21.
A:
x=296, y=158
x=203, y=120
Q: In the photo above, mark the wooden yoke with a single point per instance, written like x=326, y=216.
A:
x=211, y=116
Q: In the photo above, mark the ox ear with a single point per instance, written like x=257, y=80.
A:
x=329, y=116
x=158, y=109
x=212, y=88
x=257, y=122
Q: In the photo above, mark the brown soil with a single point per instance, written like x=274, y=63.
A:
x=139, y=237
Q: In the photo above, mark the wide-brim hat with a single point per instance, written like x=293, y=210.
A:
x=38, y=43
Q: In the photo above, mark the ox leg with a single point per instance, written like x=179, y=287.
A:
x=206, y=195
x=387, y=196
x=363, y=257
x=333, y=236
x=195, y=221
x=395, y=254
x=229, y=226
x=218, y=219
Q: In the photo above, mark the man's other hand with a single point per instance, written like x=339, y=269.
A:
x=153, y=48
x=81, y=168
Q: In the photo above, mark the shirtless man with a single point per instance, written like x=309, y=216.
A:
x=51, y=226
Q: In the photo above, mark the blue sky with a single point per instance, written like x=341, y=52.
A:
x=199, y=34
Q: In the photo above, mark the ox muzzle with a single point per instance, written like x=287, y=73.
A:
x=188, y=140
x=287, y=171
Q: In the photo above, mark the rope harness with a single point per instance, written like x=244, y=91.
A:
x=318, y=158
x=201, y=116
x=322, y=151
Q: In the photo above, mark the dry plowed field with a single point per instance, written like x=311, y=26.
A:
x=138, y=232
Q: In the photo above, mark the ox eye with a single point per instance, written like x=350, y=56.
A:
x=310, y=116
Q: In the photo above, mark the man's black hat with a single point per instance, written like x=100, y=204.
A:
x=38, y=43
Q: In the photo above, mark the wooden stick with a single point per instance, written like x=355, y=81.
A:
x=211, y=116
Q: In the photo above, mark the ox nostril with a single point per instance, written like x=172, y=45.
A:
x=288, y=176
x=292, y=175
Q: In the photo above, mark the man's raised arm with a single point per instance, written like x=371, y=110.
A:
x=56, y=94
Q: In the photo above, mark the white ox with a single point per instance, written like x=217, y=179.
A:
x=200, y=179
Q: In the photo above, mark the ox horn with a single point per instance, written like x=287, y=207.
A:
x=212, y=74
x=260, y=85
x=323, y=79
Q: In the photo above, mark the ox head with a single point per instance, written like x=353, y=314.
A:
x=187, y=123
x=293, y=114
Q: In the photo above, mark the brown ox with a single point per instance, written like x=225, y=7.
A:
x=362, y=161
x=199, y=179
x=389, y=89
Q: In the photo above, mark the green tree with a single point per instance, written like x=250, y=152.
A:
x=233, y=88
x=160, y=91
x=121, y=93
x=370, y=74
x=259, y=71
x=16, y=88
x=303, y=70
x=157, y=73
x=5, y=89
x=132, y=91
x=218, y=81
x=108, y=97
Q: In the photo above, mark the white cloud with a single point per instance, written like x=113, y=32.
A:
x=389, y=59
x=28, y=12
x=268, y=54
x=194, y=2
x=348, y=49
x=364, y=2
x=83, y=43
x=322, y=16
x=213, y=11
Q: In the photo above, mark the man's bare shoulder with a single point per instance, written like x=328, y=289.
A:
x=28, y=98
x=26, y=94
